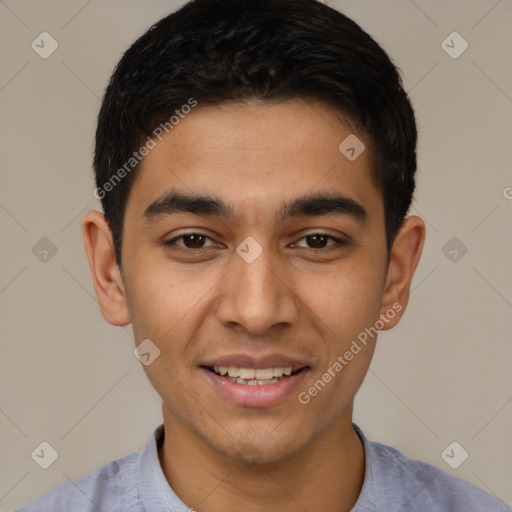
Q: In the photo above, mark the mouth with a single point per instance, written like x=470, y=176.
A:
x=252, y=382
x=254, y=376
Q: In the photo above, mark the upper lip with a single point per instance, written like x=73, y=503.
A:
x=247, y=361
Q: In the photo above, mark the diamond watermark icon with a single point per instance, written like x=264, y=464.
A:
x=44, y=250
x=44, y=45
x=454, y=45
x=146, y=352
x=249, y=249
x=454, y=455
x=351, y=147
x=454, y=250
x=45, y=455
x=249, y=454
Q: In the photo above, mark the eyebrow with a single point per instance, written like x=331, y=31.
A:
x=174, y=202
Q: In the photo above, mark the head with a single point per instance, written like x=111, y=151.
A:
x=255, y=163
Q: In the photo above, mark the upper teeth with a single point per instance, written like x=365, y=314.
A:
x=251, y=373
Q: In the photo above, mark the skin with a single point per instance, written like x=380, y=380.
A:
x=297, y=299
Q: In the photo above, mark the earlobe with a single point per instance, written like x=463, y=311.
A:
x=404, y=258
x=105, y=273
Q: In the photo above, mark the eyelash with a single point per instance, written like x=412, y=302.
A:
x=338, y=243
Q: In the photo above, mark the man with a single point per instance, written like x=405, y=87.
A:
x=255, y=162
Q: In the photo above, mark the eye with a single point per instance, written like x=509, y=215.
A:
x=319, y=240
x=191, y=241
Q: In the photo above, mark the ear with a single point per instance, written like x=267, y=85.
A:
x=404, y=258
x=105, y=273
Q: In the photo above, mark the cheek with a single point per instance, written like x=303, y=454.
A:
x=153, y=300
x=345, y=306
x=166, y=302
x=346, y=300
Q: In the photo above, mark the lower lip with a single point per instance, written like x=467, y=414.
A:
x=255, y=396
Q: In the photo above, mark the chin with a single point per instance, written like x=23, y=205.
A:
x=259, y=450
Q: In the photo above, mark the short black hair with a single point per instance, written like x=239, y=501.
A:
x=217, y=51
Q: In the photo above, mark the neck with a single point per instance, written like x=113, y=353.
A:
x=329, y=472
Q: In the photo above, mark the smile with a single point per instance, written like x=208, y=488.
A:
x=254, y=387
x=252, y=376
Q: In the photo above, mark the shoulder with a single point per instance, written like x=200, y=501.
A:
x=424, y=487
x=111, y=487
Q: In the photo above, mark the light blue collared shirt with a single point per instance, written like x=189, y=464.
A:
x=392, y=483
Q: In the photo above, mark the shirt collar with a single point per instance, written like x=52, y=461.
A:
x=366, y=500
x=155, y=492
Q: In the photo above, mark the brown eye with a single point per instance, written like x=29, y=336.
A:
x=192, y=241
x=318, y=242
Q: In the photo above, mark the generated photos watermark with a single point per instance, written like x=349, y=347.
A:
x=137, y=156
x=305, y=397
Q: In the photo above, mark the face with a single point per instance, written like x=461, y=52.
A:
x=277, y=269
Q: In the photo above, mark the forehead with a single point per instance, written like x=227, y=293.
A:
x=259, y=155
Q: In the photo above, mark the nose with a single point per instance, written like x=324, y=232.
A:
x=257, y=296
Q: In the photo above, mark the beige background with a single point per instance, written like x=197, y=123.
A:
x=69, y=378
